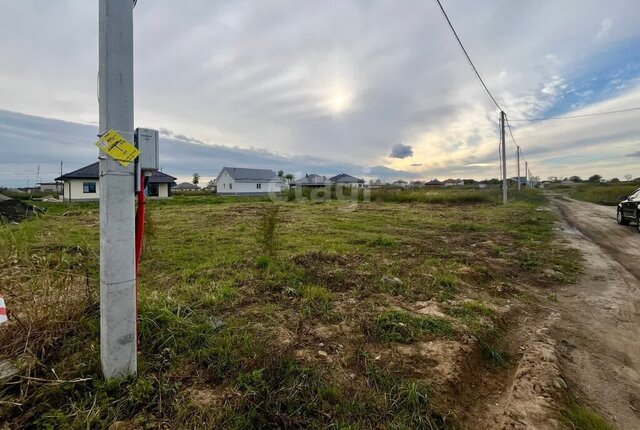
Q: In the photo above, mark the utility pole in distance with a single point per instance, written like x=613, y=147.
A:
x=518, y=152
x=526, y=172
x=118, y=314
x=503, y=151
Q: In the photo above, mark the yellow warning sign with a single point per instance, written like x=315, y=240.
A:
x=117, y=147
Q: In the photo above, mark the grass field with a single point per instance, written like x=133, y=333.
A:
x=261, y=314
x=602, y=194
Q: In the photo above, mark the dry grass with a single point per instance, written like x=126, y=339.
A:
x=47, y=291
x=298, y=339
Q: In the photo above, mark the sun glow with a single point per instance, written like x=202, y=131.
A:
x=338, y=99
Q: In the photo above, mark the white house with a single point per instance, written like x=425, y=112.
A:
x=346, y=180
x=453, y=183
x=84, y=184
x=233, y=181
x=400, y=183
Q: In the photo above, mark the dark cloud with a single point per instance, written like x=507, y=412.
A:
x=416, y=165
x=634, y=154
x=401, y=151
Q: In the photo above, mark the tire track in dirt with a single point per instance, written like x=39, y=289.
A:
x=597, y=332
x=588, y=338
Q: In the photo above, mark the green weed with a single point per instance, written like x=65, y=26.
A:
x=583, y=418
x=269, y=230
x=317, y=302
x=397, y=326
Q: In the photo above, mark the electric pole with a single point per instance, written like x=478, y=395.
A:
x=118, y=313
x=518, y=152
x=503, y=151
x=526, y=172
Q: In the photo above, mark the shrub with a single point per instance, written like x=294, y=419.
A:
x=269, y=230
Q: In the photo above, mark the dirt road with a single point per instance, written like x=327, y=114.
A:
x=598, y=330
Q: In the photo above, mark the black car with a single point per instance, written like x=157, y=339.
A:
x=628, y=209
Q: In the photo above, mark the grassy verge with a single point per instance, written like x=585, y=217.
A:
x=581, y=417
x=602, y=194
x=255, y=313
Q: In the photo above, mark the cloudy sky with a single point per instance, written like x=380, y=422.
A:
x=374, y=88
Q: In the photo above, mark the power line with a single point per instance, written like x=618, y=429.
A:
x=467, y=55
x=511, y=133
x=611, y=112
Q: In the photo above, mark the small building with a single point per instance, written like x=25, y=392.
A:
x=400, y=183
x=416, y=184
x=482, y=185
x=185, y=187
x=523, y=180
x=30, y=190
x=453, y=183
x=245, y=181
x=311, y=181
x=84, y=184
x=434, y=183
x=51, y=187
x=346, y=180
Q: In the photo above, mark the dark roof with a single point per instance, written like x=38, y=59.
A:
x=92, y=171
x=312, y=179
x=159, y=177
x=343, y=177
x=250, y=175
x=434, y=182
x=186, y=186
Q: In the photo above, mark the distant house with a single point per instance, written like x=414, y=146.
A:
x=84, y=184
x=185, y=187
x=416, y=184
x=482, y=185
x=311, y=181
x=523, y=180
x=51, y=187
x=434, y=183
x=453, y=183
x=400, y=183
x=347, y=181
x=245, y=181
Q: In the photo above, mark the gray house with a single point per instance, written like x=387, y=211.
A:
x=311, y=181
x=347, y=181
x=185, y=187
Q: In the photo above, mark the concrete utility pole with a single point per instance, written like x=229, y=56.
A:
x=504, y=158
x=518, y=152
x=117, y=223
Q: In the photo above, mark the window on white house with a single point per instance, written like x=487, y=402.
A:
x=88, y=187
x=231, y=186
x=259, y=186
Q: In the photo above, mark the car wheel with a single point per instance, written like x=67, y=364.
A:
x=621, y=220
